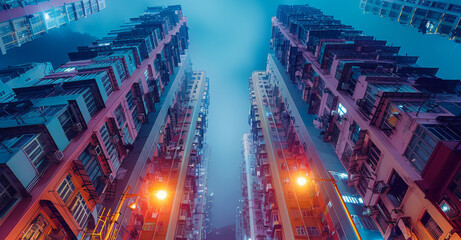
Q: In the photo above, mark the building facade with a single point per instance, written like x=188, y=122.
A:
x=178, y=156
x=283, y=209
x=75, y=140
x=393, y=125
x=23, y=21
x=250, y=213
x=429, y=17
x=21, y=76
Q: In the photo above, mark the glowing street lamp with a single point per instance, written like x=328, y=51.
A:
x=161, y=195
x=303, y=180
x=132, y=205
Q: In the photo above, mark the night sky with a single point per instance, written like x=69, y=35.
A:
x=230, y=39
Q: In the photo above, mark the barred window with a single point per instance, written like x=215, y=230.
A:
x=80, y=210
x=66, y=188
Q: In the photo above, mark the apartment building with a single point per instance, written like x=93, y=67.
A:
x=22, y=21
x=76, y=139
x=250, y=217
x=429, y=17
x=392, y=124
x=20, y=76
x=175, y=165
x=285, y=209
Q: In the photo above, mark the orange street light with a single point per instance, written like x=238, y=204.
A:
x=301, y=181
x=132, y=205
x=161, y=194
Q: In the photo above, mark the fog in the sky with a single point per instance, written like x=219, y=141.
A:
x=229, y=39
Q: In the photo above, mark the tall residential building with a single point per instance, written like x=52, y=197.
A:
x=389, y=127
x=250, y=218
x=208, y=228
x=75, y=140
x=21, y=76
x=429, y=17
x=175, y=164
x=24, y=20
x=283, y=156
x=200, y=222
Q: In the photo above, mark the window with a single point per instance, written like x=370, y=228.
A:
x=398, y=189
x=181, y=230
x=69, y=69
x=275, y=217
x=341, y=110
x=390, y=119
x=126, y=135
x=141, y=88
x=312, y=231
x=90, y=102
x=79, y=210
x=307, y=213
x=8, y=195
x=362, y=185
x=423, y=142
x=383, y=215
x=448, y=209
x=369, y=99
x=373, y=155
x=66, y=188
x=93, y=169
x=35, y=150
x=355, y=132
x=107, y=84
x=67, y=121
x=120, y=70
x=330, y=101
x=146, y=75
x=431, y=226
x=37, y=228
x=335, y=135
x=300, y=230
x=110, y=147
x=120, y=115
x=129, y=100
x=136, y=120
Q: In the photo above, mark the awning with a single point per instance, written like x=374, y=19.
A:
x=79, y=170
x=53, y=213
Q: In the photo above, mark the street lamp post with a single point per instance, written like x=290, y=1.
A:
x=302, y=181
x=161, y=195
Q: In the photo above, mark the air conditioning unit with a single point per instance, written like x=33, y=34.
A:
x=77, y=127
x=96, y=151
x=381, y=187
x=58, y=155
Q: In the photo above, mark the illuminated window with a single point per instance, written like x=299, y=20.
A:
x=37, y=228
x=71, y=69
x=341, y=110
x=448, y=209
